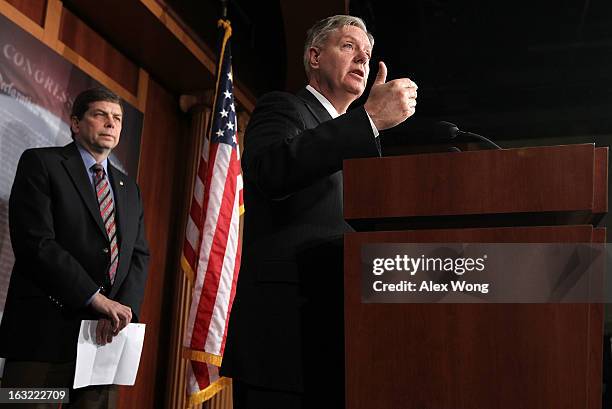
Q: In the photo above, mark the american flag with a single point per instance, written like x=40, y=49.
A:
x=211, y=252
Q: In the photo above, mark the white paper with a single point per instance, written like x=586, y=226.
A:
x=114, y=363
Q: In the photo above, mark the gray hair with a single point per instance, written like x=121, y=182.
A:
x=317, y=34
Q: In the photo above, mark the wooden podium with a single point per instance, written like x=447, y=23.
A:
x=474, y=356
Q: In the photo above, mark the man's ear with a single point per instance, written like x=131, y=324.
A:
x=74, y=124
x=313, y=57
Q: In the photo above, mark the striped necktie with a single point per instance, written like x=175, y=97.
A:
x=107, y=211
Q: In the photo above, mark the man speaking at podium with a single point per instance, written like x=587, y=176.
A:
x=77, y=231
x=285, y=346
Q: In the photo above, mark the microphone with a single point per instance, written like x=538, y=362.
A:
x=446, y=131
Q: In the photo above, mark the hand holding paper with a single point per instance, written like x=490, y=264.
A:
x=114, y=363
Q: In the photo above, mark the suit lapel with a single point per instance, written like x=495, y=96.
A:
x=76, y=170
x=118, y=185
x=313, y=105
x=121, y=220
x=319, y=112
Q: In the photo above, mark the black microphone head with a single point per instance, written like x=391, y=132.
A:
x=445, y=130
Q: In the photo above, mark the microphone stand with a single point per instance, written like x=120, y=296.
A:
x=481, y=138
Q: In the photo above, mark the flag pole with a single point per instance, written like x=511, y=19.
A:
x=224, y=9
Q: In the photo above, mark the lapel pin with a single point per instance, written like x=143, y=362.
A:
x=121, y=182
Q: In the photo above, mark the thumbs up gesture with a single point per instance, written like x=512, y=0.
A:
x=390, y=103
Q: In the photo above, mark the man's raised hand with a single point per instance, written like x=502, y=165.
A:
x=390, y=103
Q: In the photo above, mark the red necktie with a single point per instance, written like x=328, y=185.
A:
x=107, y=211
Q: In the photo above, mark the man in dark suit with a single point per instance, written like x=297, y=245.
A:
x=77, y=231
x=285, y=338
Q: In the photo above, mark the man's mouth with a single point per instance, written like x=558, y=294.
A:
x=359, y=73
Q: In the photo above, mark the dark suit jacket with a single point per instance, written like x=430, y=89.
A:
x=62, y=253
x=285, y=330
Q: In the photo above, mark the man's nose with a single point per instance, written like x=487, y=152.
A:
x=361, y=57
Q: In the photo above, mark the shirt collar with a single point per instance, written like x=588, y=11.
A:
x=324, y=101
x=89, y=160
